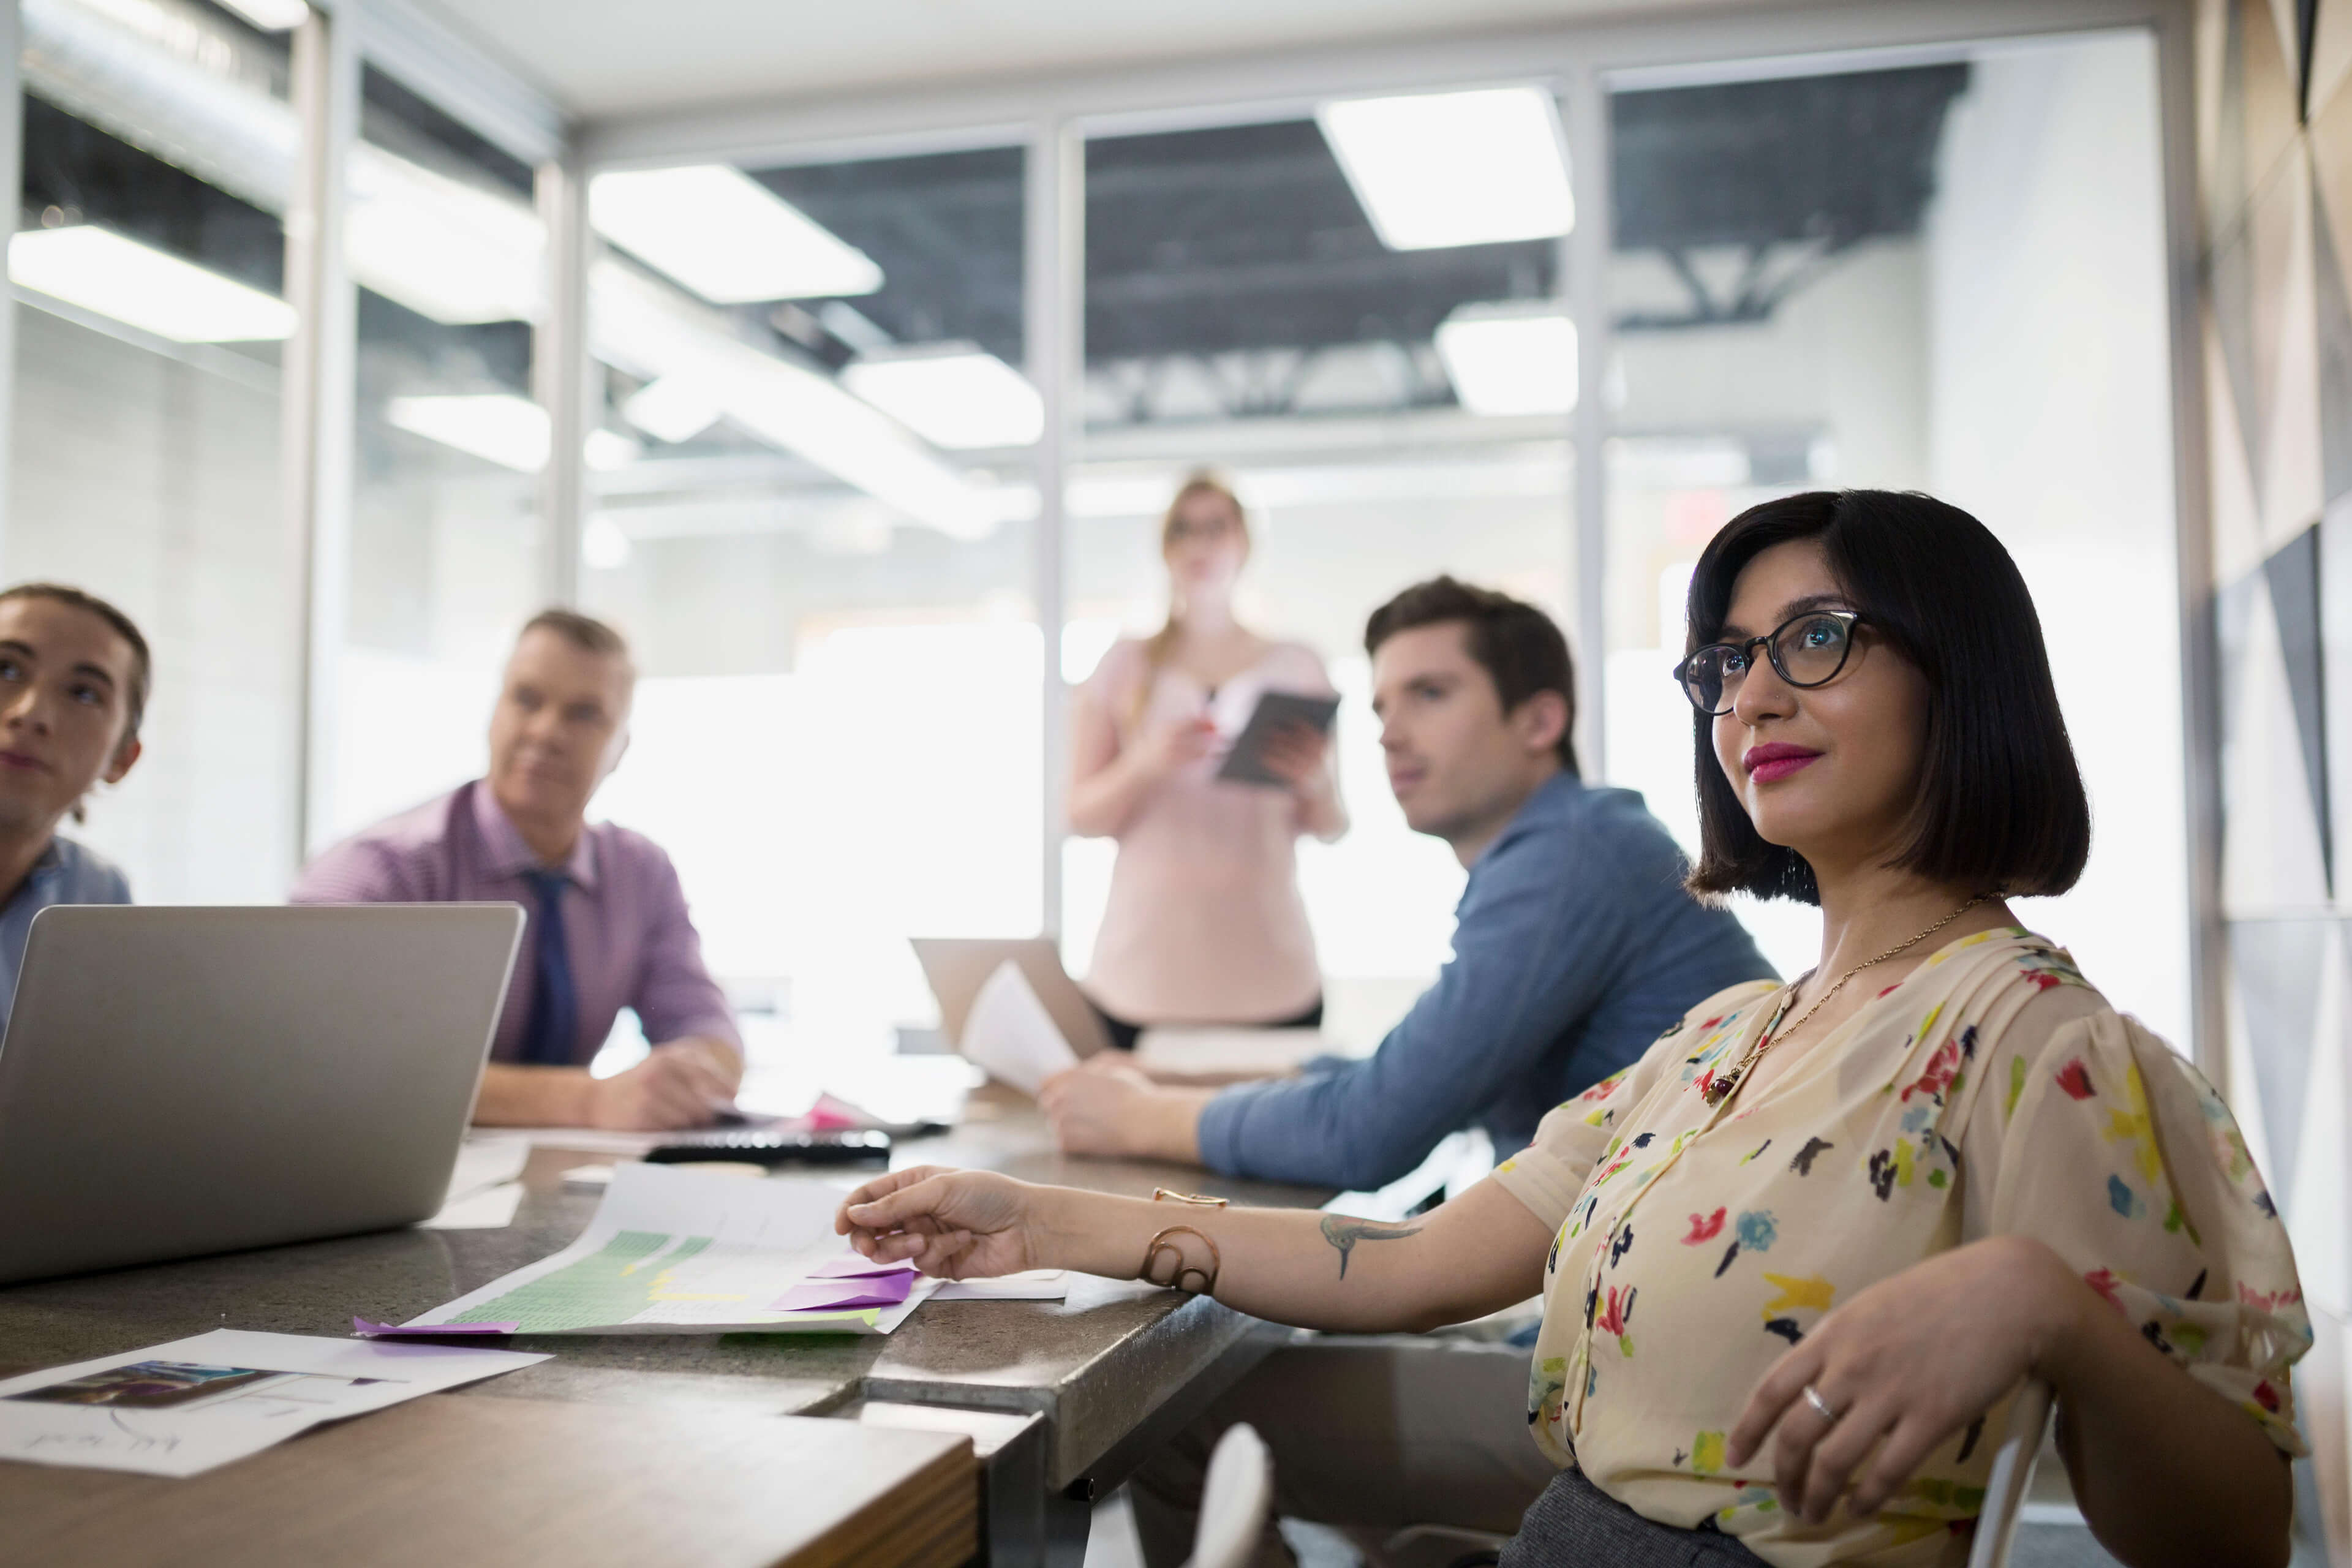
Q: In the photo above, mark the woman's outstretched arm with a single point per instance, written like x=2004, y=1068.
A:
x=1478, y=1254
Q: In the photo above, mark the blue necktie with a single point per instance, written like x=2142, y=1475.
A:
x=554, y=1022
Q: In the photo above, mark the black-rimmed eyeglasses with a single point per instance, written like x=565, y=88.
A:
x=1805, y=650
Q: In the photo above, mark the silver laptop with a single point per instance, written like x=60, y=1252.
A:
x=957, y=966
x=179, y=1080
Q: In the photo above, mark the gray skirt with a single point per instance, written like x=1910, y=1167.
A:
x=1575, y=1524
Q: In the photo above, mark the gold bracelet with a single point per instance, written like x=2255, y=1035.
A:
x=1164, y=1194
x=1160, y=1244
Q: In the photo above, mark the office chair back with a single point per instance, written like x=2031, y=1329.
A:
x=1235, y=1500
x=2012, y=1472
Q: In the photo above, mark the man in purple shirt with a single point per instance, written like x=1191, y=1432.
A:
x=608, y=924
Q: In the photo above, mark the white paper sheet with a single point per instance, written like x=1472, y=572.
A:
x=675, y=1250
x=1232, y=1053
x=1009, y=1033
x=219, y=1396
x=492, y=1208
x=1036, y=1285
x=487, y=1161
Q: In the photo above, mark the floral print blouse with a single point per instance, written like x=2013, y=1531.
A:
x=1990, y=1091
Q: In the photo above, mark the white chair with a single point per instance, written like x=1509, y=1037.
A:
x=1235, y=1500
x=2012, y=1473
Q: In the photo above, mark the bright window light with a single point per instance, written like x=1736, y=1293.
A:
x=953, y=395
x=725, y=236
x=138, y=285
x=1510, y=358
x=501, y=428
x=672, y=408
x=603, y=546
x=271, y=15
x=1454, y=168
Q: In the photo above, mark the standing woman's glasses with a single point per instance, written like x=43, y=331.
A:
x=1805, y=650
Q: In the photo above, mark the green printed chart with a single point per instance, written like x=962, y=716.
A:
x=677, y=1251
x=623, y=1279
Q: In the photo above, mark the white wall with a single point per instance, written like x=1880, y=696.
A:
x=2049, y=400
x=155, y=484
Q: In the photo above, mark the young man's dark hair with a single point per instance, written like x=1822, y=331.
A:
x=134, y=700
x=1514, y=643
x=2003, y=806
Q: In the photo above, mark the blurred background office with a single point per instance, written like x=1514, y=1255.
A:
x=848, y=359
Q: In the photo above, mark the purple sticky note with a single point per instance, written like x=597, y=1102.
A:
x=855, y=1267
x=368, y=1330
x=841, y=1295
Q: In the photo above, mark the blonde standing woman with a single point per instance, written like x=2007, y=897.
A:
x=1205, y=924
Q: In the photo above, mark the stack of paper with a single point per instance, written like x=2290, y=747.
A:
x=180, y=1409
x=676, y=1251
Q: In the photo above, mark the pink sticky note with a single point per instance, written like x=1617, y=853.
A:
x=368, y=1330
x=841, y=1295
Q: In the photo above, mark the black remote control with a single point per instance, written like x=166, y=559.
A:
x=759, y=1147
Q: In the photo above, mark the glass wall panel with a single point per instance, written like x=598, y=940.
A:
x=1948, y=278
x=446, y=556
x=1244, y=314
x=158, y=149
x=822, y=553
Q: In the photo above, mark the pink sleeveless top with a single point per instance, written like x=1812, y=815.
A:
x=1204, y=923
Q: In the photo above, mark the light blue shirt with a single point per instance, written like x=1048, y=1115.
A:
x=1574, y=946
x=66, y=873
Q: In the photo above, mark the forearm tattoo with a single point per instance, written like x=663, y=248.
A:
x=1344, y=1233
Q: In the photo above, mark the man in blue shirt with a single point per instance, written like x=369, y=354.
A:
x=1574, y=947
x=1575, y=944
x=73, y=687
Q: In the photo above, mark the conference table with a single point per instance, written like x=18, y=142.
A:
x=1059, y=1400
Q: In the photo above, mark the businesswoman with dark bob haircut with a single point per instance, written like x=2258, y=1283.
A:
x=1796, y=1260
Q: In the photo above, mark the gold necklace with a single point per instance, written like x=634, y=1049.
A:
x=1721, y=1087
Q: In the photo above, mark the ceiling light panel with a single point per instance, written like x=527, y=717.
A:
x=725, y=236
x=1510, y=358
x=673, y=408
x=271, y=15
x=105, y=272
x=953, y=395
x=1454, y=168
x=497, y=426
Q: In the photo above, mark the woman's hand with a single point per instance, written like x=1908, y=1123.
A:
x=958, y=1224
x=1106, y=1105
x=1295, y=753
x=1905, y=1364
x=1167, y=744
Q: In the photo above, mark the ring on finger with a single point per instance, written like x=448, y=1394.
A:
x=1821, y=1407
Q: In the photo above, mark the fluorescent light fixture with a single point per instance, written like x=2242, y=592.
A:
x=271, y=15
x=672, y=409
x=725, y=236
x=501, y=428
x=603, y=546
x=953, y=395
x=651, y=332
x=1515, y=358
x=104, y=272
x=1454, y=168
x=605, y=450
x=446, y=249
